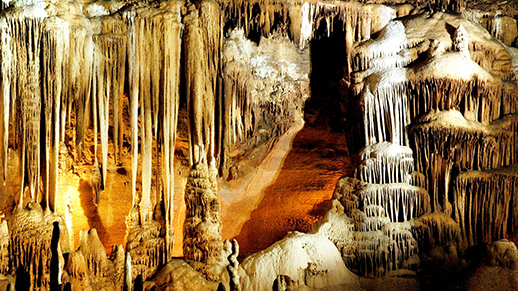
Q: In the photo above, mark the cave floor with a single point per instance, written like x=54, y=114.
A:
x=298, y=195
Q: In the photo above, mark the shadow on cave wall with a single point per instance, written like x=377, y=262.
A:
x=329, y=102
x=87, y=203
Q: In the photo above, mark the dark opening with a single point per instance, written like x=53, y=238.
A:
x=328, y=58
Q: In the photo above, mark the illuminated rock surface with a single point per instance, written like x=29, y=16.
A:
x=135, y=137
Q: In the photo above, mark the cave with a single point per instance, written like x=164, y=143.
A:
x=258, y=145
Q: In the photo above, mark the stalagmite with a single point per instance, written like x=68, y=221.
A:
x=146, y=244
x=233, y=266
x=4, y=247
x=30, y=243
x=93, y=252
x=128, y=282
x=77, y=269
x=55, y=264
x=202, y=243
x=461, y=41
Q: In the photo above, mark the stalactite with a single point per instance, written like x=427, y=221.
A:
x=388, y=109
x=154, y=101
x=202, y=65
x=401, y=201
x=485, y=206
x=109, y=69
x=134, y=73
x=172, y=47
x=154, y=85
x=145, y=203
x=54, y=86
x=26, y=100
x=6, y=75
x=466, y=145
x=385, y=163
x=79, y=90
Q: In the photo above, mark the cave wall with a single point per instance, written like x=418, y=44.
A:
x=130, y=100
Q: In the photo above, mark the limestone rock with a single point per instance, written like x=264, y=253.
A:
x=307, y=259
x=178, y=275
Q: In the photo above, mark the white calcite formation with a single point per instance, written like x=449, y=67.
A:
x=385, y=163
x=378, y=221
x=307, y=259
x=266, y=85
x=95, y=90
x=437, y=97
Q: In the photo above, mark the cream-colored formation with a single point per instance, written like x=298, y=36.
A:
x=434, y=95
